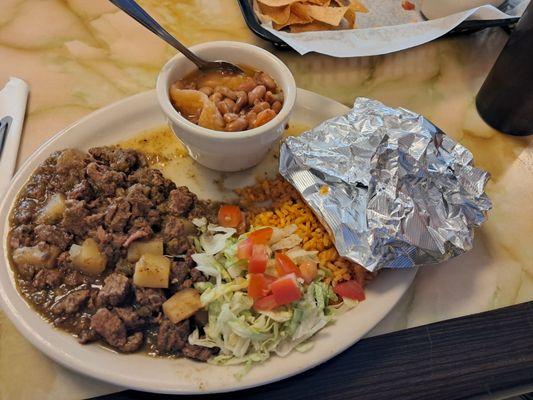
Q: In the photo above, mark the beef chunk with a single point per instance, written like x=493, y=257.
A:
x=71, y=303
x=172, y=337
x=74, y=278
x=73, y=217
x=108, y=325
x=133, y=343
x=140, y=229
x=54, y=235
x=199, y=353
x=88, y=336
x=131, y=319
x=21, y=236
x=95, y=220
x=207, y=209
x=118, y=159
x=115, y=290
x=81, y=191
x=177, y=246
x=51, y=278
x=105, y=179
x=71, y=161
x=26, y=271
x=149, y=300
x=174, y=228
x=25, y=211
x=159, y=186
x=181, y=201
x=117, y=214
x=124, y=267
x=137, y=195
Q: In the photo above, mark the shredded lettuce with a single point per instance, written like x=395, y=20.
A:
x=243, y=335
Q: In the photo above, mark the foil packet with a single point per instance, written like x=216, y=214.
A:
x=393, y=190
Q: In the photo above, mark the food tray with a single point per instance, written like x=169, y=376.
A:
x=465, y=27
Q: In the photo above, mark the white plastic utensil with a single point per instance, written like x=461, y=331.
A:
x=433, y=9
x=13, y=98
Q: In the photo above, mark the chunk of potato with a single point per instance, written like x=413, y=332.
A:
x=88, y=258
x=140, y=247
x=152, y=271
x=182, y=305
x=53, y=210
x=36, y=256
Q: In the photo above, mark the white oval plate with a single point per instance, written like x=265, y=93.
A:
x=120, y=121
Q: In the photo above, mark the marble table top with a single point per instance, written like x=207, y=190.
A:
x=80, y=55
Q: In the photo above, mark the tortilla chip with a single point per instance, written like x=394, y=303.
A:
x=277, y=3
x=299, y=15
x=323, y=3
x=328, y=15
x=357, y=6
x=311, y=27
x=278, y=15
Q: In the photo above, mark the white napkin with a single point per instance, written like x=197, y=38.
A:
x=387, y=28
x=13, y=98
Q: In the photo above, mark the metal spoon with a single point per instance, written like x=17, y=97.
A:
x=135, y=11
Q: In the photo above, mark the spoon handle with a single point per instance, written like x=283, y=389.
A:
x=135, y=11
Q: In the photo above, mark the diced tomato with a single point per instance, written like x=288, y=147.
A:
x=309, y=271
x=285, y=289
x=229, y=216
x=258, y=261
x=258, y=286
x=244, y=249
x=261, y=236
x=350, y=289
x=267, y=303
x=407, y=5
x=284, y=265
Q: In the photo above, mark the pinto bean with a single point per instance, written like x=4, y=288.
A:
x=228, y=117
x=242, y=100
x=256, y=94
x=216, y=97
x=207, y=90
x=224, y=107
x=261, y=106
x=240, y=124
x=276, y=106
x=226, y=92
x=250, y=118
x=263, y=117
x=271, y=97
x=230, y=103
x=266, y=80
x=247, y=85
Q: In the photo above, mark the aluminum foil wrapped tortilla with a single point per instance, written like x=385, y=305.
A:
x=393, y=189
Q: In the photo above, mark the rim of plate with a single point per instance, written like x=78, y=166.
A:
x=387, y=290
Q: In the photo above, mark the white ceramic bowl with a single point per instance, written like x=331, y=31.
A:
x=227, y=151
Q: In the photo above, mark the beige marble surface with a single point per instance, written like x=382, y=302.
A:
x=79, y=55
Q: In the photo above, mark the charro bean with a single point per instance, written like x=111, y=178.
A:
x=261, y=106
x=250, y=118
x=228, y=117
x=240, y=124
x=266, y=80
x=256, y=94
x=247, y=85
x=223, y=107
x=230, y=103
x=242, y=100
x=263, y=117
x=207, y=90
x=226, y=91
x=216, y=97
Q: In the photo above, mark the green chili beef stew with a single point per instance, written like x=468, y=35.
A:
x=101, y=247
